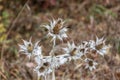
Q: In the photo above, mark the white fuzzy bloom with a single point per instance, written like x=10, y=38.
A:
x=43, y=69
x=90, y=64
x=99, y=46
x=29, y=48
x=56, y=29
x=72, y=51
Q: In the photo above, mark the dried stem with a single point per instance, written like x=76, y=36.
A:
x=53, y=73
x=12, y=26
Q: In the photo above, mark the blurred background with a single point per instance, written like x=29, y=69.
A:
x=85, y=19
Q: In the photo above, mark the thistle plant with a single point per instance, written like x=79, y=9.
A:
x=47, y=64
x=30, y=49
x=56, y=30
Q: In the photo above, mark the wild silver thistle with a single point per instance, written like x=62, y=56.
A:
x=99, y=46
x=30, y=49
x=72, y=51
x=56, y=29
x=90, y=64
x=47, y=64
x=44, y=69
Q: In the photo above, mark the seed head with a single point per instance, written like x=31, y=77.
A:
x=57, y=26
x=73, y=52
x=30, y=48
x=42, y=69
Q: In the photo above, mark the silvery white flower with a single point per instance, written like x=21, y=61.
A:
x=29, y=48
x=72, y=51
x=99, y=46
x=103, y=50
x=43, y=69
x=56, y=29
x=90, y=64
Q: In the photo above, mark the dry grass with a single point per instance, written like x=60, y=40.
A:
x=82, y=26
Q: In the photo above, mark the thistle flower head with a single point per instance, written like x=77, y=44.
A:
x=43, y=69
x=100, y=47
x=29, y=48
x=90, y=64
x=72, y=50
x=56, y=29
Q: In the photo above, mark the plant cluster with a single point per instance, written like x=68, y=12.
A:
x=85, y=51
